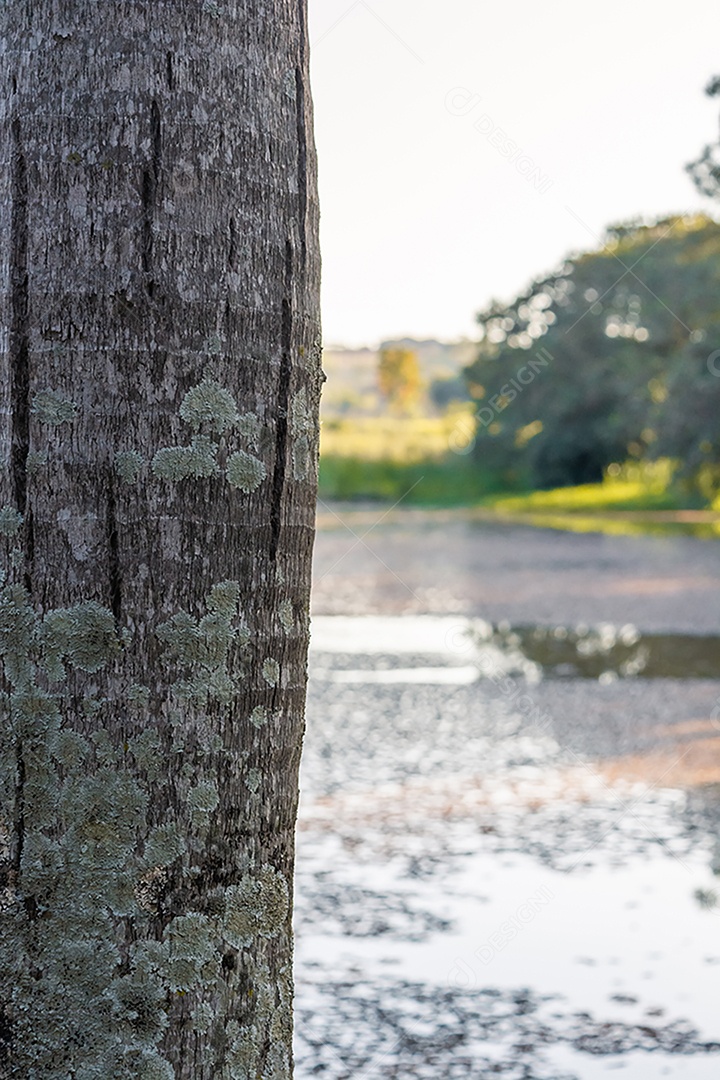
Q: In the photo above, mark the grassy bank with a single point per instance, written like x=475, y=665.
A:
x=631, y=487
x=425, y=463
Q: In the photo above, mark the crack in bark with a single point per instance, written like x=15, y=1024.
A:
x=29, y=549
x=6, y=1037
x=150, y=179
x=232, y=246
x=169, y=73
x=19, y=323
x=278, y=481
x=19, y=810
x=114, y=572
x=302, y=161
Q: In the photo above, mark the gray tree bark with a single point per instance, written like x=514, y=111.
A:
x=161, y=377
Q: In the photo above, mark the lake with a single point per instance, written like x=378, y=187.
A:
x=508, y=848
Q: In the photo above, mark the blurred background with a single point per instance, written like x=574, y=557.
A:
x=508, y=856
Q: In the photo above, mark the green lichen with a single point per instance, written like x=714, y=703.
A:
x=249, y=425
x=204, y=797
x=36, y=460
x=17, y=628
x=213, y=344
x=194, y=952
x=204, y=645
x=128, y=465
x=286, y=616
x=253, y=780
x=151, y=1066
x=105, y=750
x=50, y=408
x=137, y=1000
x=202, y=800
x=84, y=635
x=175, y=463
x=70, y=750
x=41, y=866
x=245, y=1048
x=103, y=814
x=217, y=685
x=303, y=426
x=209, y=405
x=139, y=695
x=223, y=599
x=259, y=717
x=34, y=712
x=277, y=1066
x=203, y=1017
x=301, y=457
x=216, y=634
x=271, y=672
x=182, y=639
x=146, y=749
x=10, y=521
x=148, y=956
x=120, y=895
x=244, y=471
x=91, y=706
x=40, y=799
x=257, y=907
x=164, y=845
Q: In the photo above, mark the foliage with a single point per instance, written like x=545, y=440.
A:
x=605, y=360
x=706, y=170
x=448, y=390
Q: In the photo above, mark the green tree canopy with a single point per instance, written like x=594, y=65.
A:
x=605, y=359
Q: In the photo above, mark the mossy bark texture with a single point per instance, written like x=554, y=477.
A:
x=158, y=418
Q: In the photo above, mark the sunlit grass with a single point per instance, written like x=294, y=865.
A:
x=633, y=487
x=640, y=524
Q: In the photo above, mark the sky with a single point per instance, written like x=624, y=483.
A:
x=466, y=147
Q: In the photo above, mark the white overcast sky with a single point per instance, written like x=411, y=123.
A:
x=423, y=219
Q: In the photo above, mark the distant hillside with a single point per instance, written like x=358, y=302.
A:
x=351, y=387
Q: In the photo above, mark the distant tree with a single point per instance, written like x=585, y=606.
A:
x=399, y=378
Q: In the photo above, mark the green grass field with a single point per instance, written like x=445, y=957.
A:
x=421, y=460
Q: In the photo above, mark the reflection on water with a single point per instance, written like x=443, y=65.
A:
x=583, y=652
x=481, y=894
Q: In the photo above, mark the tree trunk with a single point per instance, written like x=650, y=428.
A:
x=159, y=419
